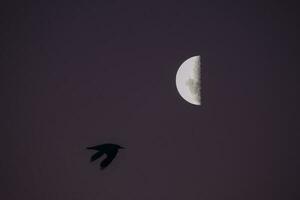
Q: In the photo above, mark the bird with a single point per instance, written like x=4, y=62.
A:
x=111, y=151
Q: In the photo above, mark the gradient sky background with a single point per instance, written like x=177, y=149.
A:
x=85, y=73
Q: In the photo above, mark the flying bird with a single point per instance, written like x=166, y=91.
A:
x=111, y=151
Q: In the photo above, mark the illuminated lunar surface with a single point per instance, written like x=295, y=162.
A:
x=188, y=80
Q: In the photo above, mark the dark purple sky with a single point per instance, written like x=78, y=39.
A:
x=80, y=74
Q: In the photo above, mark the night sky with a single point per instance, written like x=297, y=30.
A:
x=76, y=74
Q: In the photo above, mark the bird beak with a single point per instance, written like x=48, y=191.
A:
x=122, y=147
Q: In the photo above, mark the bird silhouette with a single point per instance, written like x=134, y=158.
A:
x=111, y=151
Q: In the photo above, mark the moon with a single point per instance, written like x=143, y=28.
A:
x=188, y=80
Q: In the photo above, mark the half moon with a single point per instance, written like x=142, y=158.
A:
x=188, y=80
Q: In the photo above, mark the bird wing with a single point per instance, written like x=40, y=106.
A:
x=108, y=160
x=96, y=156
x=96, y=147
